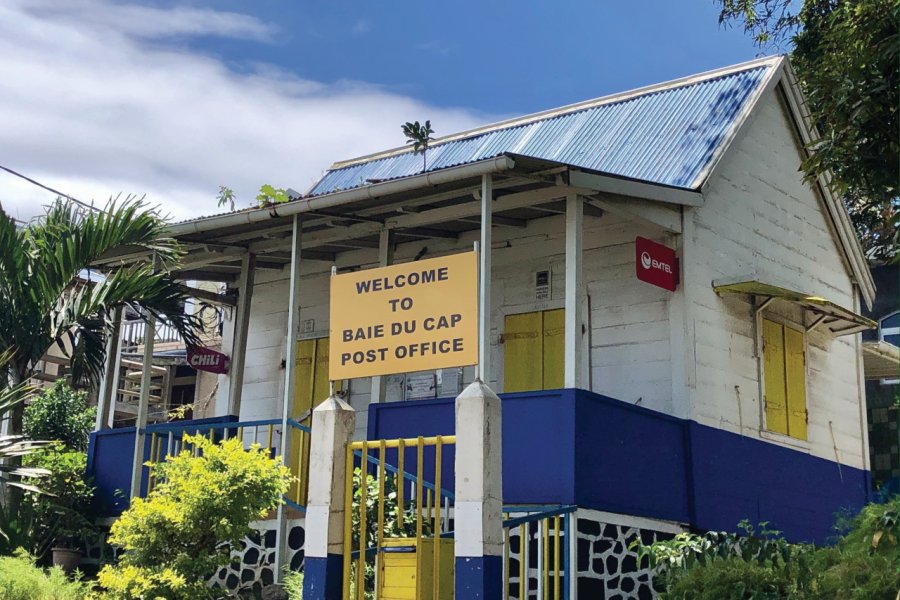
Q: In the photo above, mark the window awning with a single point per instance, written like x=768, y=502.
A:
x=881, y=360
x=837, y=319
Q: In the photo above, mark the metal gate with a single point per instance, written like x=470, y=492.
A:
x=398, y=534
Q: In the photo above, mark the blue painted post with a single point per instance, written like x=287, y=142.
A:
x=479, y=498
x=332, y=429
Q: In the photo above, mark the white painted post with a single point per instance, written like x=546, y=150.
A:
x=484, y=274
x=239, y=339
x=290, y=372
x=385, y=258
x=479, y=495
x=106, y=398
x=333, y=423
x=573, y=313
x=140, y=424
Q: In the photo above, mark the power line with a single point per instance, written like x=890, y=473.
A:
x=50, y=189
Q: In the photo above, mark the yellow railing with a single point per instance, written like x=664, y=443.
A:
x=168, y=440
x=542, y=554
x=396, y=542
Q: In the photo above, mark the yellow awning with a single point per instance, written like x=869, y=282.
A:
x=828, y=315
x=881, y=360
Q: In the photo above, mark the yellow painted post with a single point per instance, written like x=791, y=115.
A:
x=348, y=521
x=545, y=544
x=506, y=575
x=557, y=574
x=240, y=435
x=269, y=439
x=379, y=534
x=419, y=488
x=401, y=480
x=523, y=558
x=436, y=579
x=363, y=500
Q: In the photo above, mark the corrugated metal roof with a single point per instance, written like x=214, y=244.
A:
x=667, y=135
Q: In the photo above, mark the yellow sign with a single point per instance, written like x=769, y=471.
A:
x=416, y=316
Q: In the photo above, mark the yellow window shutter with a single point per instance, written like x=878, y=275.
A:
x=554, y=348
x=522, y=352
x=795, y=382
x=774, y=384
x=304, y=378
x=320, y=379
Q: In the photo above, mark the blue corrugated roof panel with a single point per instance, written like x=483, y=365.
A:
x=667, y=136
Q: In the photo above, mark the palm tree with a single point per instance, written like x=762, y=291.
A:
x=46, y=302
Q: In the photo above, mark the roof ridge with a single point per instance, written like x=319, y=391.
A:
x=571, y=108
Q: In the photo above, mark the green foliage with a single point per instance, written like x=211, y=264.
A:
x=62, y=414
x=862, y=565
x=62, y=511
x=269, y=196
x=293, y=585
x=226, y=197
x=419, y=136
x=20, y=579
x=188, y=525
x=846, y=57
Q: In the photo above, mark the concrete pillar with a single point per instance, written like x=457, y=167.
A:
x=333, y=422
x=385, y=258
x=241, y=329
x=479, y=495
x=572, y=368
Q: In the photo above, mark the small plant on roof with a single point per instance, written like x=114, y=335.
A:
x=226, y=197
x=269, y=196
x=419, y=136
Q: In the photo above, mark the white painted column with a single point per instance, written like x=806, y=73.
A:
x=140, y=424
x=290, y=372
x=479, y=495
x=572, y=376
x=333, y=423
x=239, y=339
x=106, y=397
x=385, y=258
x=484, y=274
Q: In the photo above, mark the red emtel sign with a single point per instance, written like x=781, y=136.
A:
x=656, y=264
x=207, y=359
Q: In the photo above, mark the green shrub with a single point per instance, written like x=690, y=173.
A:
x=60, y=413
x=63, y=510
x=861, y=565
x=293, y=585
x=187, y=526
x=20, y=579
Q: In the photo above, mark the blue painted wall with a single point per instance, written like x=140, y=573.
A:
x=576, y=447
x=110, y=456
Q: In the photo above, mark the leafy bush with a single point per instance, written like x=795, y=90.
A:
x=20, y=579
x=62, y=511
x=186, y=528
x=862, y=565
x=293, y=585
x=60, y=413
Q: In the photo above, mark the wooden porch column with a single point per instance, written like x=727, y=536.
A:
x=290, y=374
x=239, y=338
x=385, y=258
x=110, y=383
x=140, y=424
x=573, y=318
x=484, y=274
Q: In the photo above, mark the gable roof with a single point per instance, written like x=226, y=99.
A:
x=667, y=134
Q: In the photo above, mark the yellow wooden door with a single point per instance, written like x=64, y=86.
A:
x=310, y=389
x=523, y=352
x=774, y=384
x=554, y=348
x=795, y=382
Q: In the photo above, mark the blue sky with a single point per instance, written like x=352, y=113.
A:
x=172, y=99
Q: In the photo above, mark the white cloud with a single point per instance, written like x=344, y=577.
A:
x=92, y=107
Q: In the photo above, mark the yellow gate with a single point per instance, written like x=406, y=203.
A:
x=397, y=540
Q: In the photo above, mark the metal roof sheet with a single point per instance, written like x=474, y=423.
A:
x=667, y=135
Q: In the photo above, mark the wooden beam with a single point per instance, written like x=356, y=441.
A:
x=207, y=296
x=643, y=211
x=634, y=189
x=201, y=275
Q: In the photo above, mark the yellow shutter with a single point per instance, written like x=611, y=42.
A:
x=795, y=382
x=320, y=377
x=773, y=366
x=554, y=348
x=522, y=352
x=304, y=378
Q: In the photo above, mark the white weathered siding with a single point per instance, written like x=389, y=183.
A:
x=628, y=318
x=759, y=217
